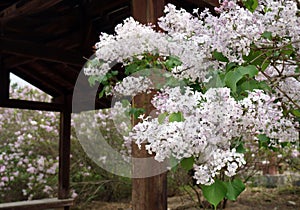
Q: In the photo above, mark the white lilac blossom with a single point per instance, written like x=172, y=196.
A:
x=134, y=39
x=211, y=121
x=218, y=159
x=194, y=39
x=132, y=86
x=236, y=28
x=285, y=79
x=264, y=116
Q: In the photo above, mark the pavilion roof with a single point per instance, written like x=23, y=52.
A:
x=45, y=42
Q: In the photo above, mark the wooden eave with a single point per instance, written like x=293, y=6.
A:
x=45, y=42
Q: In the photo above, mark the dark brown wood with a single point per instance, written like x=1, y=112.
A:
x=150, y=192
x=31, y=105
x=214, y=3
x=24, y=6
x=12, y=62
x=58, y=74
x=64, y=150
x=147, y=11
x=4, y=81
x=34, y=50
x=203, y=3
x=37, y=204
x=147, y=193
x=38, y=80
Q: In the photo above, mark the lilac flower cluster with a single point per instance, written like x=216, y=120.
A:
x=132, y=86
x=194, y=39
x=210, y=122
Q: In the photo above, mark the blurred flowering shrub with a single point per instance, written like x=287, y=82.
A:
x=29, y=156
x=29, y=150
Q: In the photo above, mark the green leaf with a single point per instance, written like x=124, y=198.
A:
x=251, y=5
x=296, y=112
x=255, y=57
x=93, y=79
x=172, y=62
x=234, y=189
x=162, y=117
x=219, y=56
x=264, y=86
x=288, y=50
x=101, y=94
x=216, y=80
x=263, y=140
x=173, y=163
x=230, y=66
x=136, y=112
x=176, y=117
x=240, y=148
x=233, y=77
x=114, y=73
x=267, y=35
x=265, y=65
x=125, y=103
x=250, y=70
x=214, y=193
x=187, y=163
x=172, y=82
x=131, y=68
x=250, y=85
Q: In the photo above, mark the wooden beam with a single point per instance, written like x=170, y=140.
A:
x=98, y=8
x=37, y=80
x=23, y=7
x=37, y=204
x=13, y=61
x=57, y=74
x=64, y=150
x=4, y=82
x=34, y=50
x=31, y=105
x=203, y=3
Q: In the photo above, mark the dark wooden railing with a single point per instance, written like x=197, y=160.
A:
x=38, y=204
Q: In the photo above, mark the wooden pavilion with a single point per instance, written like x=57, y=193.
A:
x=45, y=42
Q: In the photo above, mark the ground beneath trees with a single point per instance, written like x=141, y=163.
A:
x=251, y=198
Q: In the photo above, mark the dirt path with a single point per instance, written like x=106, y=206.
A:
x=250, y=199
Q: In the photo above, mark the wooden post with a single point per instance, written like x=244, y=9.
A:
x=4, y=83
x=148, y=193
x=147, y=11
x=64, y=151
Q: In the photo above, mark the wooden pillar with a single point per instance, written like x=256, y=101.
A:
x=148, y=193
x=64, y=151
x=4, y=83
x=147, y=11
